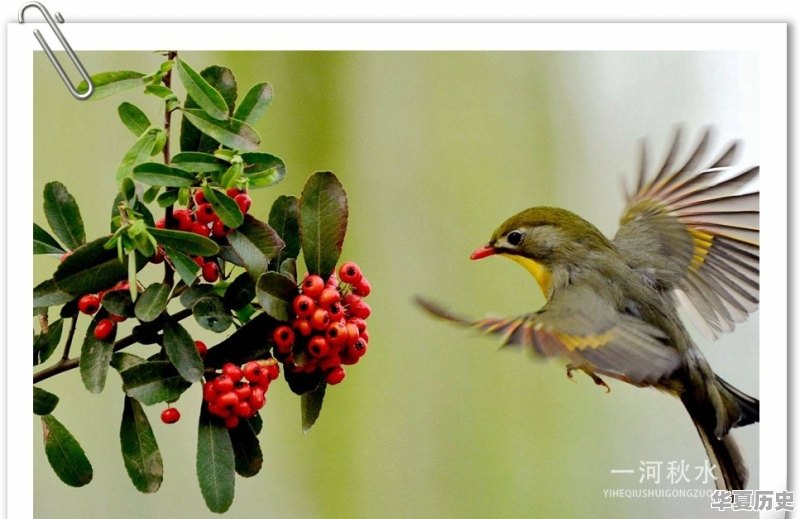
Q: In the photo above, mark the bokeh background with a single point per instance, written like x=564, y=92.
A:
x=435, y=149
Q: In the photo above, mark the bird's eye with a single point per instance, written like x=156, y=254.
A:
x=515, y=237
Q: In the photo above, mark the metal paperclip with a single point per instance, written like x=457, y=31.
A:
x=61, y=72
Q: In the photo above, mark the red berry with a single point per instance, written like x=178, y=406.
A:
x=332, y=281
x=204, y=213
x=257, y=398
x=242, y=390
x=218, y=411
x=233, y=191
x=202, y=349
x=219, y=229
x=232, y=421
x=211, y=271
x=224, y=385
x=313, y=286
x=209, y=392
x=104, y=329
x=170, y=415
x=183, y=217
x=303, y=326
x=330, y=362
x=201, y=229
x=227, y=400
x=362, y=287
x=336, y=334
x=161, y=223
x=303, y=306
x=361, y=323
x=360, y=309
x=365, y=335
x=358, y=349
x=350, y=273
x=244, y=201
x=284, y=338
x=336, y=311
x=253, y=371
x=117, y=318
x=157, y=257
x=335, y=375
x=244, y=409
x=199, y=197
x=273, y=370
x=233, y=371
x=320, y=319
x=329, y=296
x=89, y=304
x=199, y=260
x=352, y=332
x=318, y=346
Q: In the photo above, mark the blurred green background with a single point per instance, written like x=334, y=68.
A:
x=435, y=149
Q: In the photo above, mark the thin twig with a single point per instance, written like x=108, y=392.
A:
x=71, y=335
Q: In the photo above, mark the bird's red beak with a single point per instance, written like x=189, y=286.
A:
x=482, y=252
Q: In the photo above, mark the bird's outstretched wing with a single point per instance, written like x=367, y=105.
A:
x=692, y=231
x=580, y=326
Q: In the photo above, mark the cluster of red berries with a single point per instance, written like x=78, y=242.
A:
x=89, y=304
x=240, y=392
x=200, y=218
x=329, y=329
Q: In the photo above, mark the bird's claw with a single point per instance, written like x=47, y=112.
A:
x=597, y=380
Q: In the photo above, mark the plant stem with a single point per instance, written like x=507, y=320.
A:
x=169, y=273
x=71, y=335
x=66, y=364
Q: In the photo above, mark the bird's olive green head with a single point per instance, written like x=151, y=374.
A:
x=547, y=235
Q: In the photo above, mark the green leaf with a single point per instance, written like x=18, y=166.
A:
x=311, y=405
x=246, y=449
x=231, y=133
x=152, y=382
x=284, y=217
x=122, y=360
x=141, y=150
x=133, y=118
x=194, y=293
x=289, y=268
x=160, y=91
x=197, y=162
x=255, y=103
x=89, y=269
x=43, y=401
x=206, y=96
x=185, y=266
x=185, y=242
x=222, y=79
x=215, y=463
x=156, y=174
x=109, y=83
x=95, y=359
x=65, y=453
x=232, y=176
x=323, y=222
x=47, y=294
x=63, y=215
x=152, y=302
x=150, y=194
x=263, y=169
x=167, y=198
x=240, y=292
x=211, y=314
x=181, y=351
x=226, y=207
x=46, y=343
x=118, y=302
x=275, y=292
x=139, y=448
x=256, y=243
x=43, y=243
x=245, y=344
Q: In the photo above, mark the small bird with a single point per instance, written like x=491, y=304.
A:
x=688, y=237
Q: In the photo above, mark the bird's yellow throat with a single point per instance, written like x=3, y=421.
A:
x=537, y=270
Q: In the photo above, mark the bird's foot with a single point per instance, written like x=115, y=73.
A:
x=597, y=380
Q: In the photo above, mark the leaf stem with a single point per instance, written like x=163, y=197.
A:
x=70, y=336
x=169, y=273
x=66, y=364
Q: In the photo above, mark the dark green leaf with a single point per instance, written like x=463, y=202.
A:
x=159, y=91
x=122, y=361
x=110, y=83
x=43, y=401
x=226, y=207
x=311, y=405
x=289, y=268
x=139, y=448
x=246, y=449
x=284, y=217
x=256, y=243
x=263, y=169
x=181, y=351
x=118, y=302
x=153, y=382
x=133, y=118
x=240, y=292
x=211, y=314
x=167, y=198
x=231, y=133
x=65, y=453
x=43, y=243
x=156, y=174
x=215, y=463
x=223, y=81
x=186, y=242
x=95, y=359
x=323, y=222
x=256, y=423
x=194, y=293
x=245, y=344
x=63, y=215
x=255, y=103
x=152, y=302
x=89, y=269
x=46, y=343
x=127, y=188
x=150, y=194
x=205, y=95
x=275, y=292
x=185, y=266
x=47, y=294
x=197, y=162
x=141, y=150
